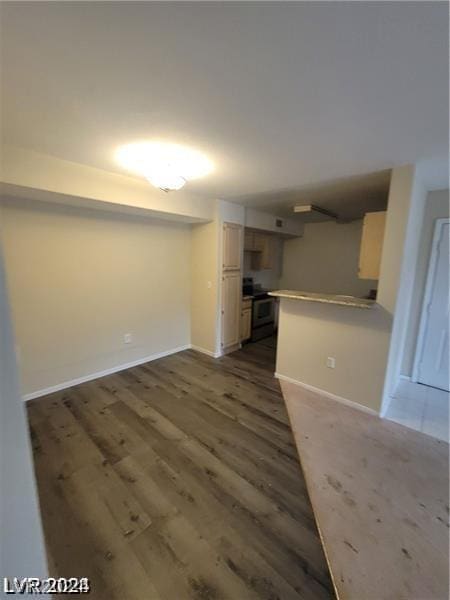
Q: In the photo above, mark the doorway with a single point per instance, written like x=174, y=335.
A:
x=431, y=364
x=421, y=402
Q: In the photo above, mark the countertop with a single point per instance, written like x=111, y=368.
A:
x=325, y=298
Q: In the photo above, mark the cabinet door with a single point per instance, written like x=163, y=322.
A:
x=267, y=258
x=249, y=239
x=232, y=246
x=246, y=324
x=231, y=308
x=259, y=240
x=371, y=245
x=263, y=257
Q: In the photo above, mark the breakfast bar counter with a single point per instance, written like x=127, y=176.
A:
x=339, y=299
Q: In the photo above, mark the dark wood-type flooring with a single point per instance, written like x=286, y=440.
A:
x=178, y=479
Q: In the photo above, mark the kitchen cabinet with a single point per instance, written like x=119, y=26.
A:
x=253, y=241
x=246, y=320
x=371, y=245
x=249, y=241
x=262, y=248
x=231, y=308
x=232, y=246
x=267, y=253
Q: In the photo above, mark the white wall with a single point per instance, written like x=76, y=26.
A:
x=258, y=219
x=22, y=552
x=205, y=287
x=79, y=280
x=32, y=175
x=436, y=206
x=325, y=260
x=358, y=340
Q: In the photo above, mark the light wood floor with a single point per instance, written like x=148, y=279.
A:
x=178, y=479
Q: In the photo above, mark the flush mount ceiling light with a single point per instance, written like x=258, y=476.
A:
x=166, y=166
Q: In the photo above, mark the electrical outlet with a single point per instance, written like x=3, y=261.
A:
x=127, y=338
x=209, y=285
x=331, y=362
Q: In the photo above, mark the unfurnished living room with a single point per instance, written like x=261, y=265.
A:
x=224, y=300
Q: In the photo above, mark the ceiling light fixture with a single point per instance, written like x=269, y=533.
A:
x=165, y=165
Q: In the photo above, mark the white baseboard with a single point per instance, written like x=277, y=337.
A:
x=329, y=395
x=207, y=352
x=67, y=384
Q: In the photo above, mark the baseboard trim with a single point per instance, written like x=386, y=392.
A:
x=328, y=395
x=204, y=351
x=67, y=384
x=230, y=349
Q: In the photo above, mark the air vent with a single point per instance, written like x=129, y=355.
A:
x=279, y=222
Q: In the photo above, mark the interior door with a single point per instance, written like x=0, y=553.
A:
x=432, y=354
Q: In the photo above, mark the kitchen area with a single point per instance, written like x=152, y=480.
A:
x=340, y=259
x=262, y=269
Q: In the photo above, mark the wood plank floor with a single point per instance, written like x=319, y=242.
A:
x=178, y=479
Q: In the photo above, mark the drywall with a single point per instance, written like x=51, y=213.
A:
x=258, y=219
x=22, y=552
x=436, y=206
x=358, y=339
x=64, y=182
x=79, y=280
x=205, y=287
x=325, y=260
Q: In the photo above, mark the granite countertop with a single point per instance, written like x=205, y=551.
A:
x=340, y=299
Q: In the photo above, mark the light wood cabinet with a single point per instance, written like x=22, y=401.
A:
x=231, y=308
x=246, y=320
x=267, y=253
x=249, y=240
x=232, y=246
x=262, y=248
x=371, y=245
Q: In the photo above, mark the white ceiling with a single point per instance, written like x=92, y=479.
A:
x=280, y=95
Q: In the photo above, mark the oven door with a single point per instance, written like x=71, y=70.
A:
x=263, y=311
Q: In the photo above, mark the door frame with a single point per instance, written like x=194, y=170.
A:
x=432, y=264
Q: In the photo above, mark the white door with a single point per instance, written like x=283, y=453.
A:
x=432, y=354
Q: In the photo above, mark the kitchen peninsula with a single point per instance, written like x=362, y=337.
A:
x=340, y=299
x=333, y=344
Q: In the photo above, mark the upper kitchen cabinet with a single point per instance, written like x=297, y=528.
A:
x=231, y=309
x=232, y=247
x=371, y=245
x=262, y=248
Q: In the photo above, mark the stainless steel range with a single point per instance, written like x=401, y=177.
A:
x=263, y=309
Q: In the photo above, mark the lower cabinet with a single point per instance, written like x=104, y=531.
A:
x=246, y=321
x=231, y=308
